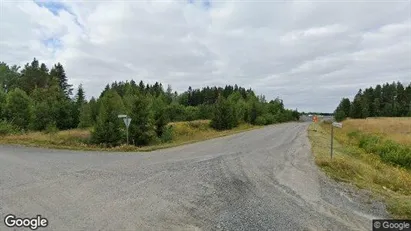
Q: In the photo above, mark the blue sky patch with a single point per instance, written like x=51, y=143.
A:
x=52, y=6
x=206, y=4
x=53, y=43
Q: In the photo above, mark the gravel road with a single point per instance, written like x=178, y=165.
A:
x=263, y=179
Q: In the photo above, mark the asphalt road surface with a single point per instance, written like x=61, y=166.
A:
x=263, y=179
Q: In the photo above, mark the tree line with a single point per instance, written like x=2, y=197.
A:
x=388, y=100
x=36, y=98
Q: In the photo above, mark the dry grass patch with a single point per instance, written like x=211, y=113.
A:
x=396, y=129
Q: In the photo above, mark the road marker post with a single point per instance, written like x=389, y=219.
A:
x=338, y=125
x=127, y=121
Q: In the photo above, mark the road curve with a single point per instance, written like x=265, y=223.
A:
x=263, y=179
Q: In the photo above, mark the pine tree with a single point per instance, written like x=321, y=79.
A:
x=48, y=102
x=80, y=96
x=169, y=95
x=33, y=76
x=224, y=115
x=3, y=97
x=86, y=117
x=142, y=129
x=94, y=109
x=401, y=100
x=18, y=108
x=79, y=102
x=107, y=130
x=356, y=106
x=160, y=119
x=59, y=73
x=9, y=77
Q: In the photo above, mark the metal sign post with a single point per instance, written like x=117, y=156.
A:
x=338, y=125
x=127, y=122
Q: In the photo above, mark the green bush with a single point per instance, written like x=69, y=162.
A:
x=388, y=150
x=51, y=128
x=340, y=115
x=7, y=128
x=167, y=135
x=269, y=119
x=224, y=116
x=260, y=120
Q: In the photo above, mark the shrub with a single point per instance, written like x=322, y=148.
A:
x=260, y=120
x=340, y=115
x=388, y=150
x=51, y=128
x=269, y=118
x=7, y=128
x=224, y=116
x=167, y=135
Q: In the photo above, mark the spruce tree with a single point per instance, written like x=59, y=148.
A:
x=160, y=117
x=78, y=103
x=142, y=128
x=356, y=106
x=107, y=130
x=224, y=115
x=86, y=117
x=3, y=97
x=59, y=73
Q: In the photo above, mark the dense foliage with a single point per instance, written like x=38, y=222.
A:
x=388, y=100
x=36, y=98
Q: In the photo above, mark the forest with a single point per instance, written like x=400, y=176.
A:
x=388, y=100
x=36, y=98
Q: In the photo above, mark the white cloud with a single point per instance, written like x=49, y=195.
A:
x=308, y=53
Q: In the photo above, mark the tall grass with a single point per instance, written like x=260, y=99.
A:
x=388, y=150
x=395, y=129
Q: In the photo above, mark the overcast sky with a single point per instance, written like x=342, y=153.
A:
x=310, y=54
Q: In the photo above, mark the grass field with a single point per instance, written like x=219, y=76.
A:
x=78, y=139
x=395, y=129
x=353, y=162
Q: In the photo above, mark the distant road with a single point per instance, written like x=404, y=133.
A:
x=263, y=179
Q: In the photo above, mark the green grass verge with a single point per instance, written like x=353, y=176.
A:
x=366, y=170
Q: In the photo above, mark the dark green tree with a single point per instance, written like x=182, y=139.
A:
x=3, y=97
x=108, y=127
x=18, y=108
x=356, y=106
x=59, y=73
x=142, y=128
x=94, y=109
x=160, y=117
x=224, y=115
x=33, y=75
x=9, y=77
x=79, y=101
x=86, y=117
